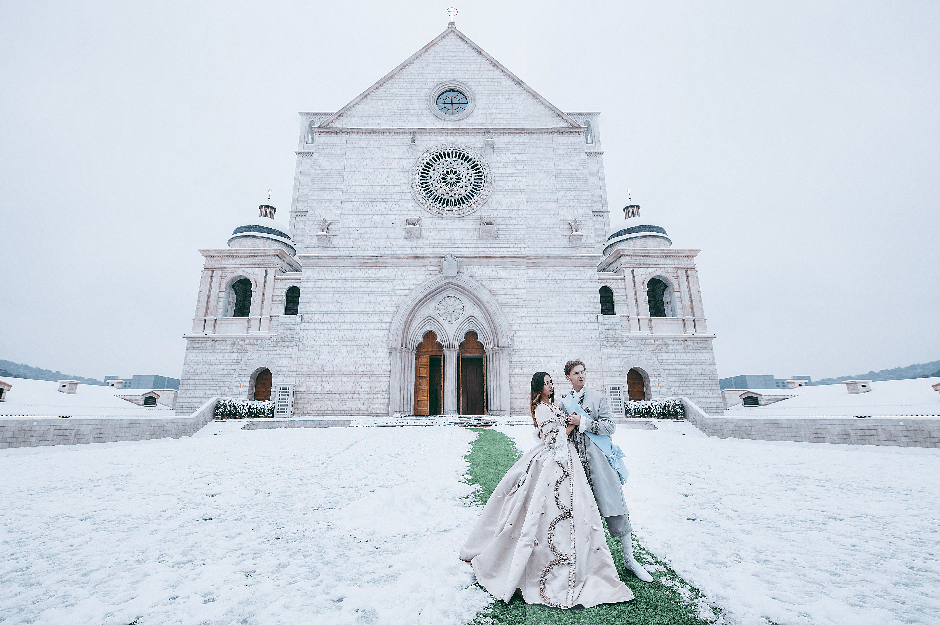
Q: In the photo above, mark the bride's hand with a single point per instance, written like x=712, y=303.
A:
x=574, y=419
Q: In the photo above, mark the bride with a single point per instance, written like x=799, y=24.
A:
x=541, y=531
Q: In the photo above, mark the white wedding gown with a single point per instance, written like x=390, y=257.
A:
x=541, y=531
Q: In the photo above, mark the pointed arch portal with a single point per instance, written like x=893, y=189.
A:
x=452, y=327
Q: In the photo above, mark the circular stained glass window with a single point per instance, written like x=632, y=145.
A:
x=452, y=102
x=452, y=181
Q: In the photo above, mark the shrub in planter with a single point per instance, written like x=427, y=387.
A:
x=243, y=409
x=655, y=409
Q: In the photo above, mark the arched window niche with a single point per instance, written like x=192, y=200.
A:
x=607, y=301
x=292, y=300
x=661, y=298
x=238, y=298
x=150, y=400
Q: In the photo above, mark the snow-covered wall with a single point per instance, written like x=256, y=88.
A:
x=38, y=431
x=899, y=432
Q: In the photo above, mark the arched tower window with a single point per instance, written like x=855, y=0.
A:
x=292, y=300
x=238, y=298
x=660, y=297
x=607, y=301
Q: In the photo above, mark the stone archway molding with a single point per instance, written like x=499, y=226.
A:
x=411, y=322
x=498, y=332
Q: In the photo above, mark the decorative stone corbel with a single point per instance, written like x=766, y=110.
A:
x=575, y=237
x=324, y=235
x=413, y=228
x=487, y=228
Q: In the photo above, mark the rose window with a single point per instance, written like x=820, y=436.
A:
x=451, y=181
x=450, y=308
x=452, y=102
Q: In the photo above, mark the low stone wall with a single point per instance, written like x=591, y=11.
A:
x=898, y=432
x=38, y=431
x=266, y=424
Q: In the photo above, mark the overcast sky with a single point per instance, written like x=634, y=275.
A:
x=797, y=144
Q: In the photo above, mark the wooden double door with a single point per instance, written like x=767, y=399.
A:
x=431, y=372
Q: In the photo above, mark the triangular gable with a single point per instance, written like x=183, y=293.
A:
x=450, y=31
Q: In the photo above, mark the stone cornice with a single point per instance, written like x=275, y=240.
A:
x=645, y=336
x=230, y=337
x=653, y=256
x=410, y=260
x=254, y=256
x=458, y=131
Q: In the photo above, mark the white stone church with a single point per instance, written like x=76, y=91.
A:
x=449, y=236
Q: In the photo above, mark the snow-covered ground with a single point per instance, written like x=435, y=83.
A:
x=362, y=525
x=891, y=398
x=42, y=398
x=339, y=525
x=800, y=533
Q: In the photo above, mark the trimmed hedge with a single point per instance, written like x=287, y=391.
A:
x=656, y=409
x=244, y=409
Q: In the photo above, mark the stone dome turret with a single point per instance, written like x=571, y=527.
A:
x=637, y=234
x=263, y=232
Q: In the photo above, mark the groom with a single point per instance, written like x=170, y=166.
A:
x=588, y=410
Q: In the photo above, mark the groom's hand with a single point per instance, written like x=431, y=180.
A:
x=574, y=419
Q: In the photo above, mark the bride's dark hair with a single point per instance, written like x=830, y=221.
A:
x=538, y=383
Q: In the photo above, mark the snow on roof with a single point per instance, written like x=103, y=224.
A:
x=41, y=398
x=779, y=392
x=887, y=398
x=136, y=392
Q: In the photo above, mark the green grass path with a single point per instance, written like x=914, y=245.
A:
x=669, y=600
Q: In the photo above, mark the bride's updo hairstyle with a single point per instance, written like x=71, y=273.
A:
x=538, y=383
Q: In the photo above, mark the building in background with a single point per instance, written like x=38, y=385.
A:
x=760, y=382
x=448, y=237
x=146, y=382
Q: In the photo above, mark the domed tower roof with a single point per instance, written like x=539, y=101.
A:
x=263, y=232
x=639, y=233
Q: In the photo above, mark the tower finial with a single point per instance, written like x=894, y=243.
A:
x=269, y=195
x=452, y=15
x=631, y=210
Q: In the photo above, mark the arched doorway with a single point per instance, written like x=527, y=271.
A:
x=262, y=385
x=636, y=385
x=451, y=306
x=471, y=378
x=429, y=376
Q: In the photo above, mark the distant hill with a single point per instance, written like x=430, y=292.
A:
x=925, y=370
x=16, y=370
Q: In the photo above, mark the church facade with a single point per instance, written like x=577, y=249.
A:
x=449, y=236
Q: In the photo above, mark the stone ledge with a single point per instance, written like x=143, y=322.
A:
x=265, y=424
